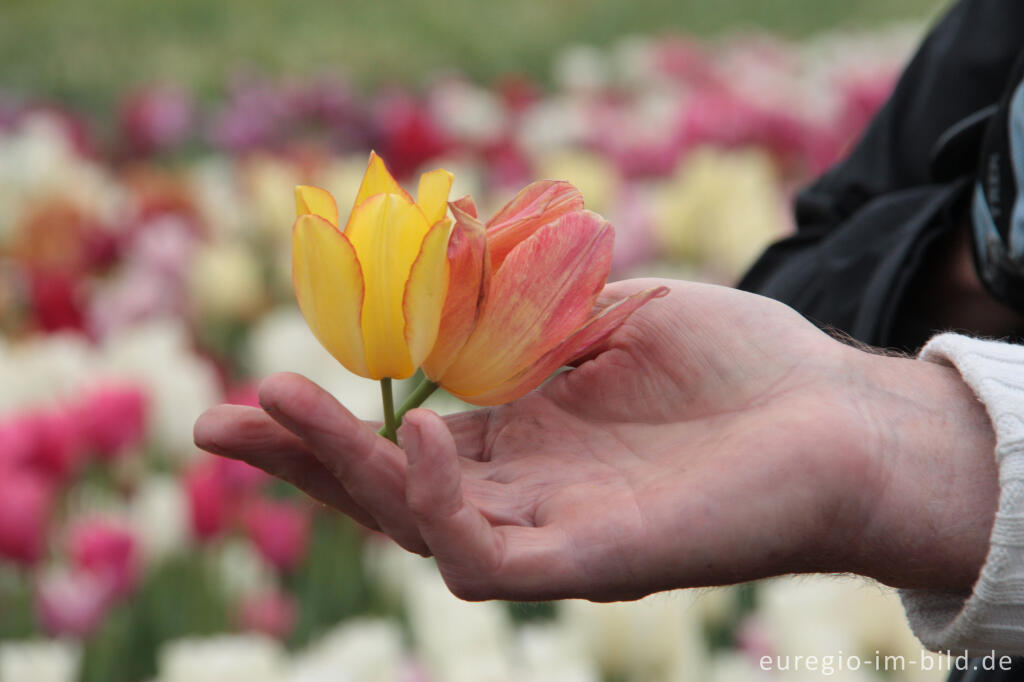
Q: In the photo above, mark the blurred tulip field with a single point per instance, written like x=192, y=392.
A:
x=148, y=155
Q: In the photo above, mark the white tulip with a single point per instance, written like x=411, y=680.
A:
x=225, y=658
x=39, y=661
x=281, y=342
x=159, y=513
x=656, y=638
x=360, y=650
x=180, y=384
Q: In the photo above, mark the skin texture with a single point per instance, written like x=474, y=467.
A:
x=716, y=437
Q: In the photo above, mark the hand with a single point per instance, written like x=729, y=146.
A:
x=716, y=437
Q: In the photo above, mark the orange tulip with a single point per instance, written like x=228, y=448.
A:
x=522, y=293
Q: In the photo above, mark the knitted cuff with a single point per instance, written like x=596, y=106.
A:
x=991, y=617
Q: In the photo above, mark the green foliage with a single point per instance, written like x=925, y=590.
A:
x=180, y=598
x=331, y=584
x=89, y=52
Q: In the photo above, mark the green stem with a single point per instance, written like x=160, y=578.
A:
x=415, y=399
x=389, y=430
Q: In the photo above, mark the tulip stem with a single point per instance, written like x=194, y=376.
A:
x=390, y=423
x=415, y=399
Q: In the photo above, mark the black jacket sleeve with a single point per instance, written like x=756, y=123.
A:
x=867, y=226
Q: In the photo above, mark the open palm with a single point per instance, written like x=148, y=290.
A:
x=685, y=452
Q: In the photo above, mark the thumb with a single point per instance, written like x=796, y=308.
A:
x=463, y=541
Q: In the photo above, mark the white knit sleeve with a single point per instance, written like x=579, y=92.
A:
x=991, y=617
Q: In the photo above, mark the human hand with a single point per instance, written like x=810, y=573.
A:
x=717, y=436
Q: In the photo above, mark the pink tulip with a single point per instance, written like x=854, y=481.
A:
x=243, y=394
x=73, y=603
x=272, y=613
x=26, y=502
x=49, y=442
x=113, y=419
x=280, y=532
x=156, y=119
x=108, y=550
x=207, y=499
x=17, y=443
x=217, y=488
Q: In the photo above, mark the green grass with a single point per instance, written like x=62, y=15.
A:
x=87, y=52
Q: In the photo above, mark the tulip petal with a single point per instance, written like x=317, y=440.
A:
x=378, y=180
x=594, y=331
x=466, y=205
x=545, y=291
x=467, y=288
x=315, y=201
x=538, y=204
x=425, y=292
x=432, y=194
x=386, y=232
x=328, y=284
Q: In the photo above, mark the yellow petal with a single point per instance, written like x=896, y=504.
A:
x=386, y=232
x=328, y=284
x=378, y=180
x=425, y=292
x=315, y=201
x=432, y=194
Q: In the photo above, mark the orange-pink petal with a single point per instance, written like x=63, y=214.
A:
x=538, y=204
x=468, y=280
x=594, y=331
x=545, y=292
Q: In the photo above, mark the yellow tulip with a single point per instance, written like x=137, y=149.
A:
x=373, y=292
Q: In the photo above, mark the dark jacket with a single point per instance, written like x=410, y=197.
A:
x=868, y=225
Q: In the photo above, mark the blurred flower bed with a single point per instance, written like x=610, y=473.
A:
x=144, y=276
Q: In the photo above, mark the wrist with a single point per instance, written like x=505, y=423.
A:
x=930, y=488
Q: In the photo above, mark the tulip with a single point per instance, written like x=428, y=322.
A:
x=279, y=531
x=73, y=602
x=26, y=503
x=522, y=294
x=372, y=293
x=113, y=419
x=109, y=551
x=271, y=612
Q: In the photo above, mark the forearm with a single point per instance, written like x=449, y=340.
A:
x=949, y=518
x=933, y=474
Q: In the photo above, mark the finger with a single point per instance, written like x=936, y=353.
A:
x=250, y=435
x=465, y=545
x=370, y=467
